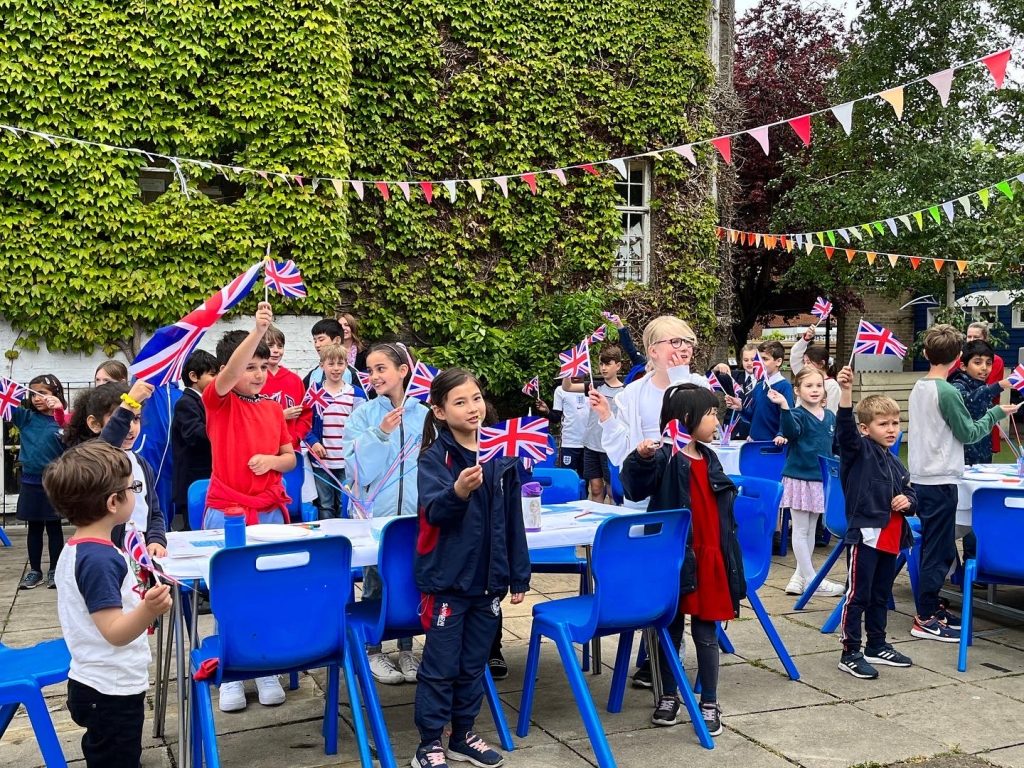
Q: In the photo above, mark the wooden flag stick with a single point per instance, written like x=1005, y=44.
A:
x=266, y=288
x=852, y=353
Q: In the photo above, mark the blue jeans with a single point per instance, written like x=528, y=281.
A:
x=328, y=497
x=214, y=518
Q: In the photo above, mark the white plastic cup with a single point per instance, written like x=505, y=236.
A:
x=531, y=512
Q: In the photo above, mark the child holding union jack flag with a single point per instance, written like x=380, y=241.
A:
x=471, y=552
x=104, y=614
x=374, y=437
x=711, y=582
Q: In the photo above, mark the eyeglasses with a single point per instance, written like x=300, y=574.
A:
x=679, y=343
x=135, y=487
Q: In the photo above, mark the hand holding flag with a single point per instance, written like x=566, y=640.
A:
x=11, y=395
x=532, y=387
x=284, y=278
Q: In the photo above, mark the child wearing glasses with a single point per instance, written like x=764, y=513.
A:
x=104, y=612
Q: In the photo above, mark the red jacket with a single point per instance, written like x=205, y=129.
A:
x=288, y=385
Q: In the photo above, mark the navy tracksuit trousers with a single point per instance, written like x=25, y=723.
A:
x=450, y=683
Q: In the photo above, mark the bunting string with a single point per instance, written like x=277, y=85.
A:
x=996, y=64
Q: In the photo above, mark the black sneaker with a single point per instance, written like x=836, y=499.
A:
x=430, y=756
x=712, y=717
x=473, y=749
x=888, y=656
x=946, y=616
x=642, y=677
x=667, y=711
x=31, y=580
x=51, y=579
x=498, y=667
x=934, y=629
x=856, y=665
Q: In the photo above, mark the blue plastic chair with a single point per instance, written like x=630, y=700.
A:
x=766, y=460
x=394, y=615
x=24, y=672
x=197, y=503
x=998, y=522
x=756, y=509
x=650, y=543
x=293, y=487
x=894, y=449
x=3, y=537
x=615, y=485
x=551, y=460
x=558, y=485
x=298, y=584
x=835, y=523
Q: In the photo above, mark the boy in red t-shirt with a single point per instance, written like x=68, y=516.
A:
x=285, y=387
x=251, y=448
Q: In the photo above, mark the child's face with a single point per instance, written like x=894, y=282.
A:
x=883, y=429
x=386, y=377
x=102, y=377
x=253, y=378
x=321, y=340
x=748, y=360
x=276, y=353
x=38, y=401
x=979, y=367
x=133, y=430
x=705, y=431
x=463, y=408
x=610, y=369
x=204, y=380
x=811, y=390
x=346, y=329
x=771, y=364
x=123, y=500
x=334, y=370
x=668, y=352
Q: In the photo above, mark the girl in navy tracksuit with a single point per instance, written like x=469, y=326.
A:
x=471, y=551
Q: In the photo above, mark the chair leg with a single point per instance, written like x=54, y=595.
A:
x=585, y=590
x=330, y=725
x=3, y=538
x=358, y=725
x=206, y=729
x=819, y=577
x=584, y=701
x=7, y=712
x=724, y=643
x=686, y=693
x=497, y=712
x=529, y=682
x=618, y=687
x=293, y=681
x=834, y=618
x=371, y=701
x=195, y=728
x=913, y=568
x=773, y=636
x=42, y=726
x=966, y=630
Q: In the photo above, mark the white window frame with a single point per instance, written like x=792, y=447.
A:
x=644, y=211
x=1017, y=315
x=985, y=313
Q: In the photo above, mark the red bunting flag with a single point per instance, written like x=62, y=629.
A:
x=530, y=180
x=724, y=146
x=428, y=191
x=384, y=191
x=802, y=126
x=996, y=64
x=915, y=262
x=590, y=169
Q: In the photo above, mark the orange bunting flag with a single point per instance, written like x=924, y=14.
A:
x=530, y=180
x=770, y=241
x=384, y=191
x=871, y=257
x=895, y=98
x=724, y=146
x=938, y=264
x=850, y=253
x=962, y=266
x=915, y=262
x=802, y=126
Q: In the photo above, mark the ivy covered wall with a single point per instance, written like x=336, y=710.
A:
x=384, y=89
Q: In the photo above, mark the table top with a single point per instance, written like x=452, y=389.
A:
x=571, y=524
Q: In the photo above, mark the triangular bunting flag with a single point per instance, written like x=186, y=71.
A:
x=831, y=237
x=850, y=253
x=867, y=230
x=802, y=126
x=984, y=195
x=589, y=168
x=761, y=136
x=947, y=207
x=620, y=166
x=879, y=227
x=428, y=191
x=559, y=174
x=1005, y=188
x=845, y=235
x=844, y=114
x=895, y=97
x=965, y=201
x=383, y=188
x=996, y=64
x=357, y=187
x=915, y=262
x=452, y=190
x=934, y=213
x=938, y=264
x=962, y=266
x=478, y=187
x=871, y=257
x=719, y=232
x=686, y=151
x=789, y=244
x=502, y=182
x=942, y=82
x=757, y=240
x=530, y=180
x=404, y=186
x=856, y=233
x=809, y=246
x=724, y=146
x=891, y=224
x=893, y=258
x=339, y=187
x=828, y=252
x=919, y=218
x=770, y=241
x=906, y=222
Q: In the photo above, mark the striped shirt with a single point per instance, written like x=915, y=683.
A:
x=332, y=426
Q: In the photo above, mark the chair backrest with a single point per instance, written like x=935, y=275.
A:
x=551, y=460
x=293, y=487
x=400, y=599
x=281, y=606
x=998, y=522
x=197, y=503
x=835, y=499
x=557, y=485
x=894, y=449
x=762, y=459
x=756, y=510
x=618, y=495
x=628, y=548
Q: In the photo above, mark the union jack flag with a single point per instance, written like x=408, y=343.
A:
x=676, y=435
x=284, y=277
x=160, y=361
x=1016, y=378
x=876, y=340
x=364, y=382
x=419, y=385
x=526, y=436
x=757, y=367
x=317, y=398
x=575, y=361
x=716, y=385
x=737, y=389
x=532, y=387
x=135, y=546
x=598, y=335
x=822, y=308
x=11, y=395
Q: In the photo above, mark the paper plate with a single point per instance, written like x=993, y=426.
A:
x=271, y=532
x=987, y=477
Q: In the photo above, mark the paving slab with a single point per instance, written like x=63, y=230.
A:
x=1008, y=757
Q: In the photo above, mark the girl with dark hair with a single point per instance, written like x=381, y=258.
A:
x=39, y=419
x=471, y=551
x=711, y=581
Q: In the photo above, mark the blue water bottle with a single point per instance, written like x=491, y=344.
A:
x=234, y=527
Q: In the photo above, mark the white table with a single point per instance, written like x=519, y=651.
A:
x=189, y=553
x=983, y=476
x=729, y=455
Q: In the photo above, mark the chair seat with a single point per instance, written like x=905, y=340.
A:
x=364, y=616
x=46, y=663
x=557, y=560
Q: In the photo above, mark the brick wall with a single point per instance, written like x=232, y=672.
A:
x=880, y=310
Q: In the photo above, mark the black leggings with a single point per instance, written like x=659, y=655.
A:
x=705, y=642
x=55, y=536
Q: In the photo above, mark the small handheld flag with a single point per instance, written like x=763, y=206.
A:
x=532, y=387
x=526, y=436
x=284, y=277
x=575, y=361
x=598, y=335
x=716, y=385
x=757, y=367
x=11, y=395
x=676, y=435
x=317, y=398
x=875, y=340
x=822, y=309
x=419, y=385
x=1016, y=378
x=135, y=547
x=364, y=382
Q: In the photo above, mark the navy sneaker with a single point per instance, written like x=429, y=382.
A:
x=473, y=749
x=667, y=712
x=31, y=580
x=430, y=756
x=498, y=667
x=934, y=629
x=946, y=616
x=642, y=677
x=887, y=655
x=855, y=664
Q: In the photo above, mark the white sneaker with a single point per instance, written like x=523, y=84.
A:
x=384, y=670
x=270, y=691
x=796, y=585
x=830, y=589
x=231, y=697
x=409, y=665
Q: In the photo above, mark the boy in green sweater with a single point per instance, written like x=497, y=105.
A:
x=940, y=425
